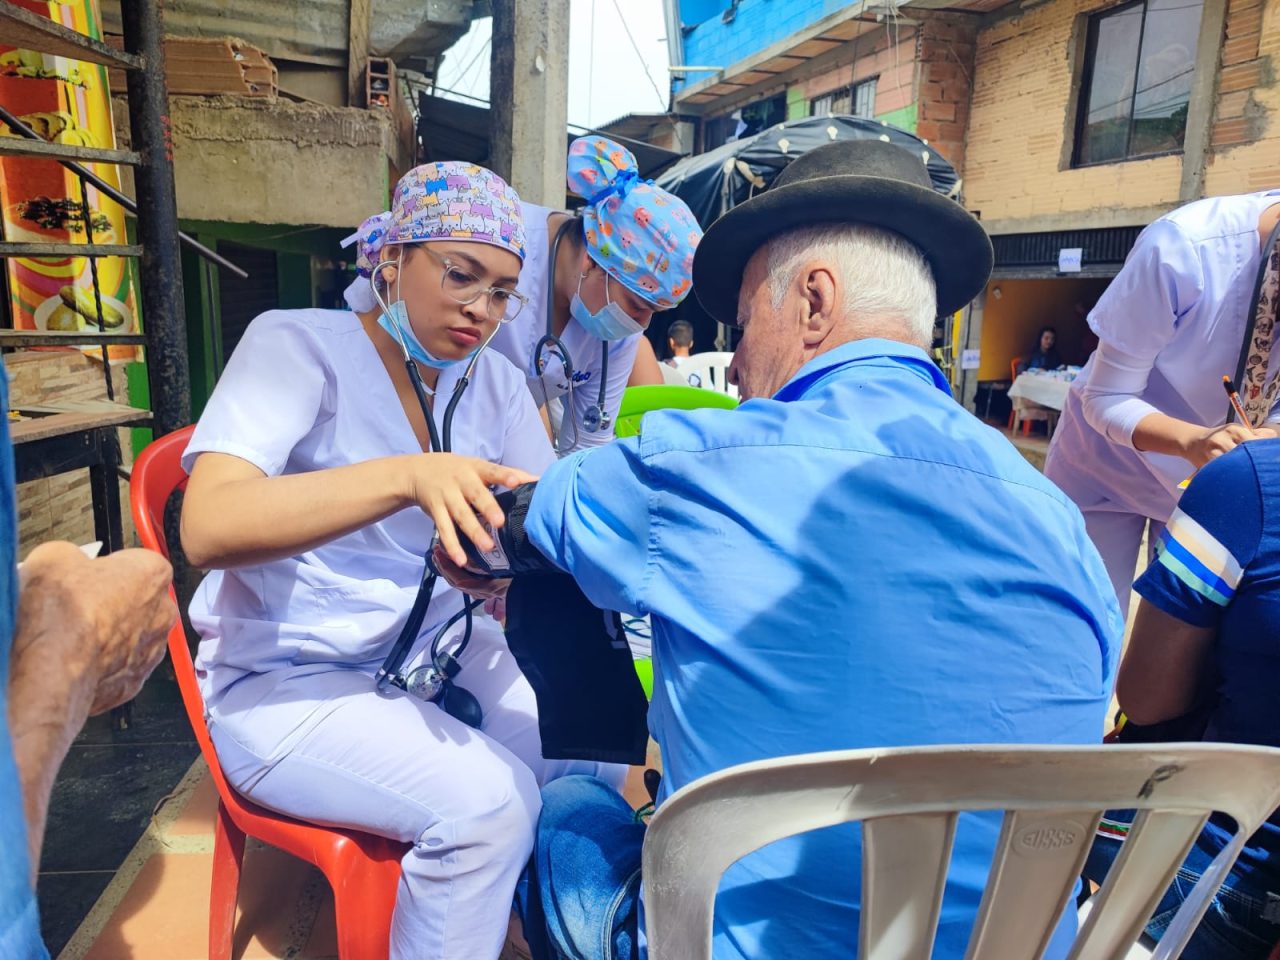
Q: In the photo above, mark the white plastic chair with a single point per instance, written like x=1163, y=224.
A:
x=712, y=371
x=671, y=376
x=908, y=800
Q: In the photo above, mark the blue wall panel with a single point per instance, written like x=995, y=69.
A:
x=757, y=25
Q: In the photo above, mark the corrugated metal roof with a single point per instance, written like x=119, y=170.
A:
x=315, y=31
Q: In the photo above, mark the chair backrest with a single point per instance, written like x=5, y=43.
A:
x=672, y=377
x=637, y=401
x=712, y=371
x=908, y=800
x=1013, y=367
x=157, y=475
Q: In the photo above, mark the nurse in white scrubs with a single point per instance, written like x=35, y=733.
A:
x=314, y=501
x=1149, y=409
x=626, y=255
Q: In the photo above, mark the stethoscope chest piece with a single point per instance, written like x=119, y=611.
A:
x=596, y=418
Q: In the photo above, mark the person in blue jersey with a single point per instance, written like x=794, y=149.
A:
x=848, y=559
x=1204, y=644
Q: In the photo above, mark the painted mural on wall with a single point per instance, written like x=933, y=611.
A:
x=65, y=101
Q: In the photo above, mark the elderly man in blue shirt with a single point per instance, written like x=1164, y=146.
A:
x=849, y=559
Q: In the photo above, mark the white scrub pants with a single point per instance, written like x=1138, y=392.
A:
x=1118, y=538
x=324, y=746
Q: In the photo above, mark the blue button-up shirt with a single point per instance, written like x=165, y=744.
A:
x=856, y=562
x=19, y=925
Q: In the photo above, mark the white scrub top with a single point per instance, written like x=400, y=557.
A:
x=306, y=390
x=518, y=340
x=1181, y=303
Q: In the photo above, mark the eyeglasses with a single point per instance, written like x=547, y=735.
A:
x=465, y=287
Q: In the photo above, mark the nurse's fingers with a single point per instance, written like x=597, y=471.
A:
x=464, y=516
x=495, y=474
x=444, y=529
x=482, y=502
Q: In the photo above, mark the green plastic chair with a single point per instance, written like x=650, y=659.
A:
x=637, y=401
x=644, y=670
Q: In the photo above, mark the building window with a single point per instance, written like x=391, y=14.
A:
x=858, y=100
x=864, y=99
x=1139, y=61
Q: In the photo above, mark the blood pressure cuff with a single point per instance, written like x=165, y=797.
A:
x=514, y=553
x=575, y=656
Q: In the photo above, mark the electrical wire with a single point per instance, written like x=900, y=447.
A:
x=636, y=47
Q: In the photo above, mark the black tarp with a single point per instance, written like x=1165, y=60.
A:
x=713, y=183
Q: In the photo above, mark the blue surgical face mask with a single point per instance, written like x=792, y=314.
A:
x=411, y=341
x=610, y=322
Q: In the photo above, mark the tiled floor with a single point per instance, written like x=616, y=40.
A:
x=156, y=907
x=103, y=800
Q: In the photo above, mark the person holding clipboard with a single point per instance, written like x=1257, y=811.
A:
x=1194, y=302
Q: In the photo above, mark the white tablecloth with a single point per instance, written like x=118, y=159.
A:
x=1045, y=390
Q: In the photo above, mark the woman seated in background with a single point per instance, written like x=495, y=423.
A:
x=1045, y=356
x=1206, y=641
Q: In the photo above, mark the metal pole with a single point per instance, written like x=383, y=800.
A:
x=164, y=318
x=84, y=173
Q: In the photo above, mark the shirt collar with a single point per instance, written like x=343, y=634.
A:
x=905, y=355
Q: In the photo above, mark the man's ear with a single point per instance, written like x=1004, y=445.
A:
x=821, y=304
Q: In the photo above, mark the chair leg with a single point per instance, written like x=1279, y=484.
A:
x=363, y=903
x=228, y=854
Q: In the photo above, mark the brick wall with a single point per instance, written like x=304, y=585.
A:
x=1022, y=95
x=888, y=56
x=60, y=507
x=946, y=49
x=1246, y=127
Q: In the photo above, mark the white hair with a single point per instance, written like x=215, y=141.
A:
x=888, y=286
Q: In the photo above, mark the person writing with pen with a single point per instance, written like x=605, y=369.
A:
x=1187, y=308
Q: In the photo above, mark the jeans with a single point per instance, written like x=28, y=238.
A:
x=580, y=897
x=1233, y=927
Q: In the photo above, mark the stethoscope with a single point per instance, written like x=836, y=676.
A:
x=434, y=681
x=595, y=418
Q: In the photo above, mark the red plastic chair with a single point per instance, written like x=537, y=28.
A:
x=363, y=870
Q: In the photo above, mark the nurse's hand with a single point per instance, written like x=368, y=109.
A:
x=1212, y=442
x=453, y=489
x=470, y=582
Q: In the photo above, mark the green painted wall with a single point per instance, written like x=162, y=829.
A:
x=294, y=280
x=797, y=103
x=204, y=335
x=904, y=119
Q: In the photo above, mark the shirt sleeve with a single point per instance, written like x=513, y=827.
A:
x=1208, y=543
x=1135, y=319
x=1160, y=282
x=622, y=357
x=269, y=397
x=1111, y=398
x=590, y=516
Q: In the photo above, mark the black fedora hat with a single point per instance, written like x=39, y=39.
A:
x=856, y=182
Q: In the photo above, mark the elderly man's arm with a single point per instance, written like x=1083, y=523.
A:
x=591, y=517
x=88, y=633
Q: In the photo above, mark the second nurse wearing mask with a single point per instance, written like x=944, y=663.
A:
x=625, y=256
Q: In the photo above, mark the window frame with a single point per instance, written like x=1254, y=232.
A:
x=850, y=90
x=1088, y=57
